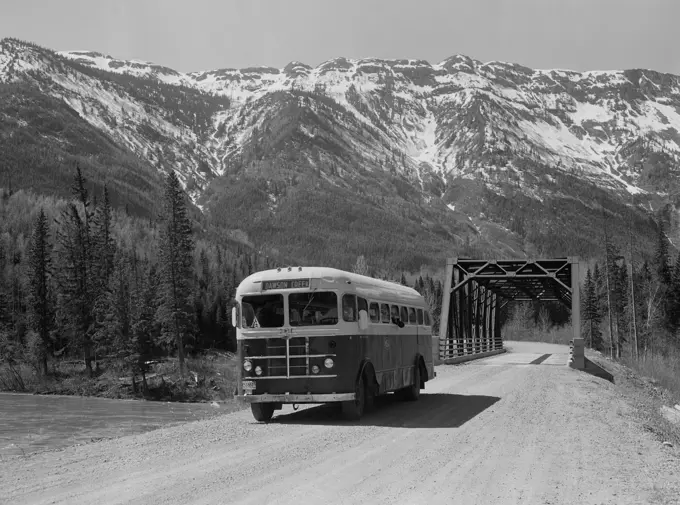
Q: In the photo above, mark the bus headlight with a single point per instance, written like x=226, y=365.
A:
x=328, y=363
x=247, y=366
x=258, y=370
x=315, y=369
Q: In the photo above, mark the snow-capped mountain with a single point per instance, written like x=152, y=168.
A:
x=458, y=148
x=437, y=114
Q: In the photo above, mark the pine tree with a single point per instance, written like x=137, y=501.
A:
x=176, y=247
x=661, y=255
x=41, y=316
x=113, y=312
x=624, y=307
x=77, y=275
x=5, y=318
x=675, y=296
x=104, y=247
x=592, y=315
x=143, y=326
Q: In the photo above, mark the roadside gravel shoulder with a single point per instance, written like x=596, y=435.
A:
x=500, y=433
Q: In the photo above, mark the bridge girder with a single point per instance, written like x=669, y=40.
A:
x=474, y=290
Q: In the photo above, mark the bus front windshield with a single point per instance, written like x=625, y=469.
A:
x=313, y=309
x=262, y=311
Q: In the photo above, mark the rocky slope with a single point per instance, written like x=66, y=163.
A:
x=488, y=158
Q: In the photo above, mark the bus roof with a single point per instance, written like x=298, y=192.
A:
x=332, y=278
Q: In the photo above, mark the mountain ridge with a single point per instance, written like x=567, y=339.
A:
x=444, y=148
x=74, y=54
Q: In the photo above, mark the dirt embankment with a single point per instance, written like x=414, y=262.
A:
x=500, y=430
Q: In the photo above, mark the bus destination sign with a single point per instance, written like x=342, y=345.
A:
x=285, y=284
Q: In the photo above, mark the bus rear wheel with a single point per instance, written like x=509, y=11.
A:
x=354, y=409
x=262, y=412
x=412, y=393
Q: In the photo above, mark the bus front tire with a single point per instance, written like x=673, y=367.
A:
x=354, y=409
x=262, y=412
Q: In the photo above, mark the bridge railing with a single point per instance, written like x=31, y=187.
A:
x=456, y=351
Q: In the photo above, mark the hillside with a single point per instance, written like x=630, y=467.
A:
x=400, y=160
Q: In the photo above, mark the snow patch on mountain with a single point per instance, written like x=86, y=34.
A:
x=459, y=117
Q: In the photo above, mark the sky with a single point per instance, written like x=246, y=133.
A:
x=209, y=34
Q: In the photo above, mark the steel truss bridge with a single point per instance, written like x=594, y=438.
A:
x=474, y=290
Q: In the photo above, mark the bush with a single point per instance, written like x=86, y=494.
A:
x=34, y=351
x=664, y=368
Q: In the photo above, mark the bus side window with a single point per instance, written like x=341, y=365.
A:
x=404, y=314
x=374, y=313
x=349, y=308
x=395, y=311
x=420, y=317
x=427, y=318
x=385, y=313
x=412, y=315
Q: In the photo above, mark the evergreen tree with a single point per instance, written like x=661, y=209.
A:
x=104, y=245
x=113, y=312
x=661, y=256
x=41, y=316
x=144, y=328
x=674, y=301
x=5, y=318
x=176, y=248
x=592, y=317
x=77, y=276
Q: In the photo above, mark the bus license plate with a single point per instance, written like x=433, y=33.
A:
x=248, y=386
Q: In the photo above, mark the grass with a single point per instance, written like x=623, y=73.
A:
x=211, y=377
x=647, y=384
x=663, y=370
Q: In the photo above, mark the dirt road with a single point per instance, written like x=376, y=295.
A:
x=495, y=431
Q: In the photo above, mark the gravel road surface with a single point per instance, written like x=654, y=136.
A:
x=494, y=431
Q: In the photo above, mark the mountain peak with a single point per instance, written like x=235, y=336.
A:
x=401, y=134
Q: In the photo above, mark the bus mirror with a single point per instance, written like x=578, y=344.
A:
x=363, y=320
x=234, y=317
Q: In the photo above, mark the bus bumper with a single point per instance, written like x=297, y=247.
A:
x=296, y=398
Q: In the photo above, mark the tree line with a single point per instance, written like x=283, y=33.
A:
x=81, y=279
x=637, y=305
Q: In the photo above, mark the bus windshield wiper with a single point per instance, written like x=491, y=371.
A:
x=310, y=301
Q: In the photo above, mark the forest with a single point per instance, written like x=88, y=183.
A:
x=630, y=310
x=89, y=292
x=636, y=305
x=80, y=280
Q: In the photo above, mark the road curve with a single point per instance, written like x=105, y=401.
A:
x=495, y=431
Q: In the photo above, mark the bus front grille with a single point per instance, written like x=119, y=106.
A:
x=295, y=365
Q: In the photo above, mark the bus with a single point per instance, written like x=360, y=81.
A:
x=321, y=335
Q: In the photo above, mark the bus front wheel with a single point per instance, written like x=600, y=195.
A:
x=262, y=412
x=354, y=409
